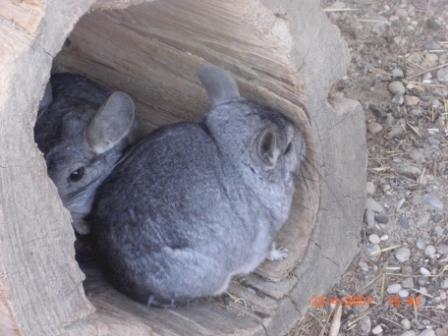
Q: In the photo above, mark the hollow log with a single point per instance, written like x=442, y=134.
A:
x=283, y=53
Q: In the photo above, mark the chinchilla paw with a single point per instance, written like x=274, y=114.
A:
x=277, y=254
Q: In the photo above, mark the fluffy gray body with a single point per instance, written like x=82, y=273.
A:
x=78, y=163
x=193, y=204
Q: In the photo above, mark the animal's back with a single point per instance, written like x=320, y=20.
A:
x=172, y=192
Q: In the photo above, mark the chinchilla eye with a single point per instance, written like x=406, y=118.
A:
x=288, y=148
x=77, y=175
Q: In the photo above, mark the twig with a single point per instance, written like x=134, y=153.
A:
x=386, y=249
x=352, y=323
x=432, y=320
x=392, y=322
x=424, y=84
x=329, y=10
x=383, y=285
x=324, y=327
x=372, y=21
x=336, y=322
x=428, y=70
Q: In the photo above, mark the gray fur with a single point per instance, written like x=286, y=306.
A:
x=71, y=105
x=220, y=85
x=193, y=204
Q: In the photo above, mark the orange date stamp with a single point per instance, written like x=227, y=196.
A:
x=351, y=301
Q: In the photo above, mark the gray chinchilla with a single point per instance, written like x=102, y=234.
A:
x=82, y=130
x=193, y=204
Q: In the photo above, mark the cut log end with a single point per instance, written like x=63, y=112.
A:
x=152, y=51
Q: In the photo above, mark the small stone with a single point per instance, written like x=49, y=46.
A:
x=408, y=283
x=432, y=45
x=396, y=88
x=443, y=249
x=373, y=205
x=398, y=99
x=409, y=171
x=403, y=293
x=442, y=331
x=396, y=131
x=436, y=218
x=420, y=243
x=424, y=271
x=417, y=156
x=374, y=128
x=433, y=141
x=442, y=75
x=443, y=296
x=427, y=78
x=382, y=218
x=369, y=217
x=403, y=222
x=384, y=237
x=423, y=291
x=438, y=231
x=407, y=270
x=374, y=239
x=422, y=281
x=390, y=120
x=338, y=5
x=433, y=201
x=415, y=57
x=444, y=284
x=430, y=60
x=423, y=220
x=408, y=333
x=394, y=288
x=430, y=250
x=365, y=324
x=405, y=323
x=374, y=251
x=397, y=73
x=416, y=112
x=363, y=266
x=402, y=13
x=377, y=330
x=433, y=24
x=427, y=332
x=411, y=100
x=403, y=254
x=370, y=188
x=380, y=27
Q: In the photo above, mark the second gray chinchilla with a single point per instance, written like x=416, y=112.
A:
x=193, y=204
x=82, y=130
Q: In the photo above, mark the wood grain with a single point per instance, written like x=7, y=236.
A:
x=283, y=53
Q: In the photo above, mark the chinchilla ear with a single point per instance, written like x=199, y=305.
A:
x=111, y=123
x=219, y=84
x=47, y=99
x=267, y=147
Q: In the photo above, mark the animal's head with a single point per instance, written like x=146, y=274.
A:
x=264, y=144
x=89, y=149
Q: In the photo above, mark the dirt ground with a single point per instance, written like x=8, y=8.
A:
x=398, y=285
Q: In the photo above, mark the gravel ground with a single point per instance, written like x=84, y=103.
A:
x=399, y=72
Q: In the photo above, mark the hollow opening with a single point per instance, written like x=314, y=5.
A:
x=152, y=51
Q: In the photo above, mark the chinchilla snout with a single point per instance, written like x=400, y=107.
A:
x=82, y=129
